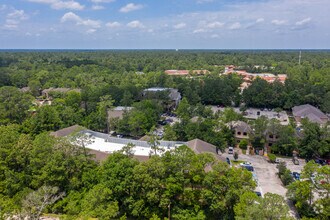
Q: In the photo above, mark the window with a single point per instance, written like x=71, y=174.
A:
x=270, y=144
x=244, y=133
x=271, y=136
x=238, y=133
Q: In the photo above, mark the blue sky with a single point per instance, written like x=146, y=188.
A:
x=164, y=24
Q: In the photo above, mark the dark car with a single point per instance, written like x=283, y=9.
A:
x=296, y=175
x=169, y=120
x=249, y=168
x=258, y=194
x=228, y=160
x=163, y=122
x=321, y=162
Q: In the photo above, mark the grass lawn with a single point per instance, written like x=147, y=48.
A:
x=282, y=156
x=237, y=162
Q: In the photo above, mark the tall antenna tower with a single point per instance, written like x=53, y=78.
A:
x=299, y=57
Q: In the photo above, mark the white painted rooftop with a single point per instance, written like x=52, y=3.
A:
x=105, y=143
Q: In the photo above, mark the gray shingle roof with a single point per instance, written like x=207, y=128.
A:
x=174, y=93
x=310, y=112
x=199, y=146
x=241, y=126
x=67, y=131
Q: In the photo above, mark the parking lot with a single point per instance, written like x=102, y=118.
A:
x=292, y=167
x=268, y=180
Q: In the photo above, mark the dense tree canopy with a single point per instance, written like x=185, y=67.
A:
x=175, y=185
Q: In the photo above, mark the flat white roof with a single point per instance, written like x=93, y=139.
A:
x=100, y=144
x=156, y=89
x=105, y=143
x=122, y=108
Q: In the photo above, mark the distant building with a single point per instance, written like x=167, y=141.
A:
x=199, y=147
x=173, y=95
x=241, y=130
x=310, y=112
x=249, y=77
x=177, y=72
x=271, y=137
x=25, y=89
x=102, y=144
x=186, y=72
x=67, y=131
x=117, y=113
x=254, y=113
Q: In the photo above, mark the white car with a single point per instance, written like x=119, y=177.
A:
x=230, y=150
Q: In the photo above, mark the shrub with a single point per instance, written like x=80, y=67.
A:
x=243, y=144
x=235, y=155
x=286, y=177
x=281, y=168
x=272, y=158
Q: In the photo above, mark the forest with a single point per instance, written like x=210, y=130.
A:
x=178, y=185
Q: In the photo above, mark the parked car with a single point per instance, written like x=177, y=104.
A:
x=296, y=175
x=321, y=162
x=295, y=161
x=249, y=168
x=279, y=160
x=228, y=160
x=247, y=165
x=230, y=150
x=258, y=194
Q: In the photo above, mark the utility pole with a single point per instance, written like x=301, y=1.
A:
x=299, y=57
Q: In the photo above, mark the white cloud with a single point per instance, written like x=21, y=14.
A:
x=215, y=24
x=204, y=1
x=215, y=36
x=90, y=31
x=135, y=24
x=90, y=23
x=98, y=7
x=180, y=25
x=14, y=18
x=59, y=4
x=70, y=16
x=102, y=1
x=235, y=26
x=130, y=7
x=279, y=22
x=303, y=22
x=3, y=7
x=260, y=20
x=17, y=15
x=114, y=24
x=201, y=30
